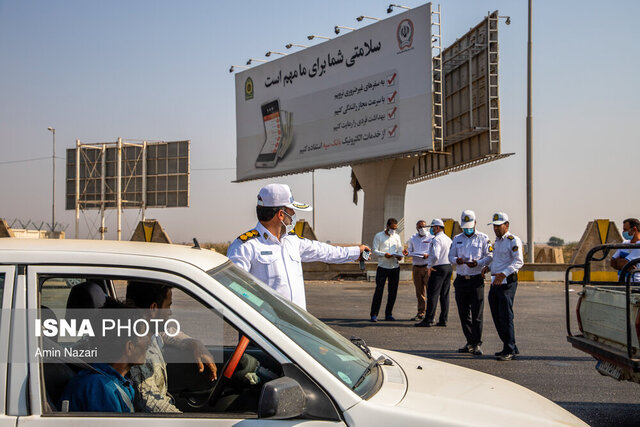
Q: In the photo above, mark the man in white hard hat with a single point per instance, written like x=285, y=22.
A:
x=272, y=251
x=470, y=252
x=507, y=260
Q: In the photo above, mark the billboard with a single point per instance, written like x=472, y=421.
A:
x=160, y=170
x=471, y=104
x=361, y=96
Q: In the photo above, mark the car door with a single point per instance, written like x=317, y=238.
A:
x=7, y=274
x=41, y=411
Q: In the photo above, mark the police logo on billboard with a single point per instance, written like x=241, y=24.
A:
x=404, y=34
x=248, y=89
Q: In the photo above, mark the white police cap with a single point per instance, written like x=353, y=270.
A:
x=274, y=195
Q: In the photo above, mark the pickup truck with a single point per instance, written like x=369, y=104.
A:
x=608, y=315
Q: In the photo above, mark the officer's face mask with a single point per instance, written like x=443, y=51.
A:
x=627, y=235
x=468, y=231
x=289, y=227
x=422, y=231
x=391, y=231
x=432, y=231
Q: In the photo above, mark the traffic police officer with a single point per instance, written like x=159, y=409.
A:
x=439, y=276
x=470, y=251
x=507, y=260
x=273, y=253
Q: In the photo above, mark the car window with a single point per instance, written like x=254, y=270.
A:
x=165, y=378
x=337, y=354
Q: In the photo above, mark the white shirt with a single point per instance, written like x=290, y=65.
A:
x=474, y=248
x=507, y=255
x=418, y=246
x=278, y=263
x=439, y=250
x=382, y=244
x=629, y=255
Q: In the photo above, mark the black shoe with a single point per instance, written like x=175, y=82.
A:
x=499, y=353
x=423, y=324
x=443, y=324
x=389, y=318
x=373, y=319
x=506, y=356
x=468, y=348
x=476, y=350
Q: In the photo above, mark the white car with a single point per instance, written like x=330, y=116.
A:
x=308, y=373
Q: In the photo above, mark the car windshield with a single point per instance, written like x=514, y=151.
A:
x=338, y=355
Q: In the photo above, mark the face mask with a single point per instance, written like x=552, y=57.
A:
x=432, y=231
x=422, y=231
x=468, y=231
x=391, y=232
x=626, y=235
x=289, y=227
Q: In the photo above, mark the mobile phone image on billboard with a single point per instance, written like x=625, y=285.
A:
x=268, y=156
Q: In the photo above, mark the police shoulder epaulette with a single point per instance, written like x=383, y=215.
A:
x=490, y=247
x=510, y=237
x=249, y=235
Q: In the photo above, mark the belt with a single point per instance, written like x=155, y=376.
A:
x=469, y=277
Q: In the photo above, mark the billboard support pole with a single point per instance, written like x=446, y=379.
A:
x=313, y=199
x=77, y=187
x=103, y=183
x=119, y=187
x=384, y=183
x=530, y=246
x=144, y=179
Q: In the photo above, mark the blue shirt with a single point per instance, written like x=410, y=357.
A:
x=90, y=391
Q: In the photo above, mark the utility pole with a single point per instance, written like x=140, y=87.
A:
x=53, y=191
x=530, y=246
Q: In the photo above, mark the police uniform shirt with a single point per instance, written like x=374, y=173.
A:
x=278, y=263
x=439, y=250
x=507, y=255
x=417, y=247
x=474, y=248
x=382, y=244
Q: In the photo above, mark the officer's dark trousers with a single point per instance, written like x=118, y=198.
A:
x=501, y=302
x=438, y=288
x=393, y=274
x=470, y=301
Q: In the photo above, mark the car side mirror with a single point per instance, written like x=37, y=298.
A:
x=281, y=398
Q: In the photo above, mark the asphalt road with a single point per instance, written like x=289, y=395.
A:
x=548, y=364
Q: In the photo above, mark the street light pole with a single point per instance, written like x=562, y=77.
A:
x=530, y=245
x=53, y=190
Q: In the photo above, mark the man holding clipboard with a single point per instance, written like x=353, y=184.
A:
x=388, y=247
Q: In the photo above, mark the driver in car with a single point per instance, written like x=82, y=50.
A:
x=150, y=377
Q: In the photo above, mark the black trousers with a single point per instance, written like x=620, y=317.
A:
x=501, y=303
x=470, y=302
x=382, y=274
x=438, y=288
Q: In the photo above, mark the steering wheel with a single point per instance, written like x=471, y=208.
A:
x=227, y=372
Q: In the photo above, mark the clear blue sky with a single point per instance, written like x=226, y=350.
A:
x=158, y=70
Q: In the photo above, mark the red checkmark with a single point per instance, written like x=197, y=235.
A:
x=392, y=97
x=393, y=130
x=392, y=112
x=390, y=81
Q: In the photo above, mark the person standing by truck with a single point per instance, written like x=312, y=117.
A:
x=631, y=234
x=507, y=260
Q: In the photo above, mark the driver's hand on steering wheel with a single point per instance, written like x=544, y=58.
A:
x=202, y=358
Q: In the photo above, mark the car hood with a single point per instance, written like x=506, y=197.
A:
x=459, y=395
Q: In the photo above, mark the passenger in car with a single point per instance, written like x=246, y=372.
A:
x=104, y=387
x=150, y=378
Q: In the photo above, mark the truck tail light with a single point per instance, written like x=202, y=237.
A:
x=580, y=318
x=638, y=325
